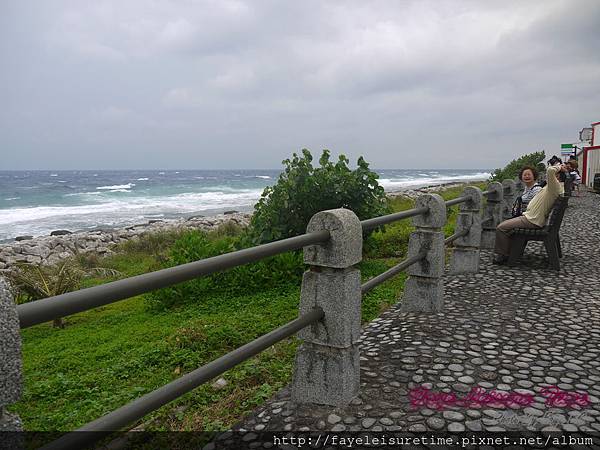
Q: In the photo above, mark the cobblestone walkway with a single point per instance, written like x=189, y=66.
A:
x=518, y=329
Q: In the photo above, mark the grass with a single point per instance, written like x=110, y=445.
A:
x=111, y=355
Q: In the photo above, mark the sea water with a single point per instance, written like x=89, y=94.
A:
x=37, y=202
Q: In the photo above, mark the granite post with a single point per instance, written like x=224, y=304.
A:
x=465, y=256
x=520, y=187
x=492, y=215
x=327, y=369
x=424, y=290
x=509, y=195
x=10, y=368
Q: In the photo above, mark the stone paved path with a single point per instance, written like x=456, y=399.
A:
x=510, y=329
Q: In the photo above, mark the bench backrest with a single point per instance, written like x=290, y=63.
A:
x=556, y=214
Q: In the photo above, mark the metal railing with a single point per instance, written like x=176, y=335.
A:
x=47, y=309
x=169, y=392
x=40, y=311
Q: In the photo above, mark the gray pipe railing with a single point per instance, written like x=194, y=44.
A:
x=40, y=311
x=51, y=308
x=376, y=281
x=455, y=236
x=369, y=224
x=175, y=389
x=456, y=201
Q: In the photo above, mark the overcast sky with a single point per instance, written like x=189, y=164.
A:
x=234, y=84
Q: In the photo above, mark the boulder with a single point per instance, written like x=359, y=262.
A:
x=60, y=232
x=23, y=238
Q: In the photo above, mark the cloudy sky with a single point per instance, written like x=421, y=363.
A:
x=234, y=84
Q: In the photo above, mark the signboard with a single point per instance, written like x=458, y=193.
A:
x=566, y=145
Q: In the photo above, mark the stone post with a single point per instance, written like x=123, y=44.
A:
x=327, y=369
x=509, y=195
x=520, y=187
x=492, y=215
x=424, y=290
x=465, y=257
x=10, y=367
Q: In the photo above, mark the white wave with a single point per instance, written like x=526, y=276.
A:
x=119, y=190
x=176, y=172
x=266, y=177
x=53, y=174
x=12, y=198
x=199, y=178
x=74, y=194
x=388, y=183
x=95, y=174
x=117, y=186
x=142, y=179
x=161, y=173
x=61, y=181
x=42, y=219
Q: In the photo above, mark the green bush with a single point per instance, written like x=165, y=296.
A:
x=513, y=168
x=277, y=271
x=302, y=190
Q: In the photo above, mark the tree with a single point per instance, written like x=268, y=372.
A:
x=302, y=190
x=512, y=169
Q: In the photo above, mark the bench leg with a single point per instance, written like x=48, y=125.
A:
x=517, y=247
x=552, y=250
x=560, y=255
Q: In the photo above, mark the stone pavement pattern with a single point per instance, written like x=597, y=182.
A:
x=510, y=329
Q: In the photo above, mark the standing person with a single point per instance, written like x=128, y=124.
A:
x=528, y=175
x=574, y=174
x=536, y=214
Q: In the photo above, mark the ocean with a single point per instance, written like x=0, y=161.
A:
x=38, y=202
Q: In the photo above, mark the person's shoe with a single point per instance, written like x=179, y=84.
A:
x=499, y=259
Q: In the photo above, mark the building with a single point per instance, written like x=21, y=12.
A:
x=591, y=157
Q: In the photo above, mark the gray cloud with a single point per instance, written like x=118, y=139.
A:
x=224, y=84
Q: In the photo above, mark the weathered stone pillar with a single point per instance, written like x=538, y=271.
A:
x=465, y=256
x=509, y=195
x=492, y=215
x=327, y=367
x=10, y=368
x=424, y=290
x=520, y=187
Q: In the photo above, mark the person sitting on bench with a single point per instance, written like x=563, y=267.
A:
x=528, y=176
x=536, y=214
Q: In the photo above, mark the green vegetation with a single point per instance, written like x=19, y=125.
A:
x=303, y=190
x=34, y=282
x=513, y=168
x=109, y=356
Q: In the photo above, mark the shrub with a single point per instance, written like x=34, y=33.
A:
x=302, y=190
x=513, y=168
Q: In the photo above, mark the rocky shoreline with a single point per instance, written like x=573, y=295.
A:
x=49, y=250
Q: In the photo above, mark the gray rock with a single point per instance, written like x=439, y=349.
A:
x=435, y=423
x=60, y=232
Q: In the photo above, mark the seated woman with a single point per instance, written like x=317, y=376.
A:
x=536, y=214
x=528, y=175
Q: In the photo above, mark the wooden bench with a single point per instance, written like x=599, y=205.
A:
x=548, y=234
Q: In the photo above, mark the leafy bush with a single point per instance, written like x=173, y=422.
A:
x=274, y=272
x=513, y=168
x=302, y=190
